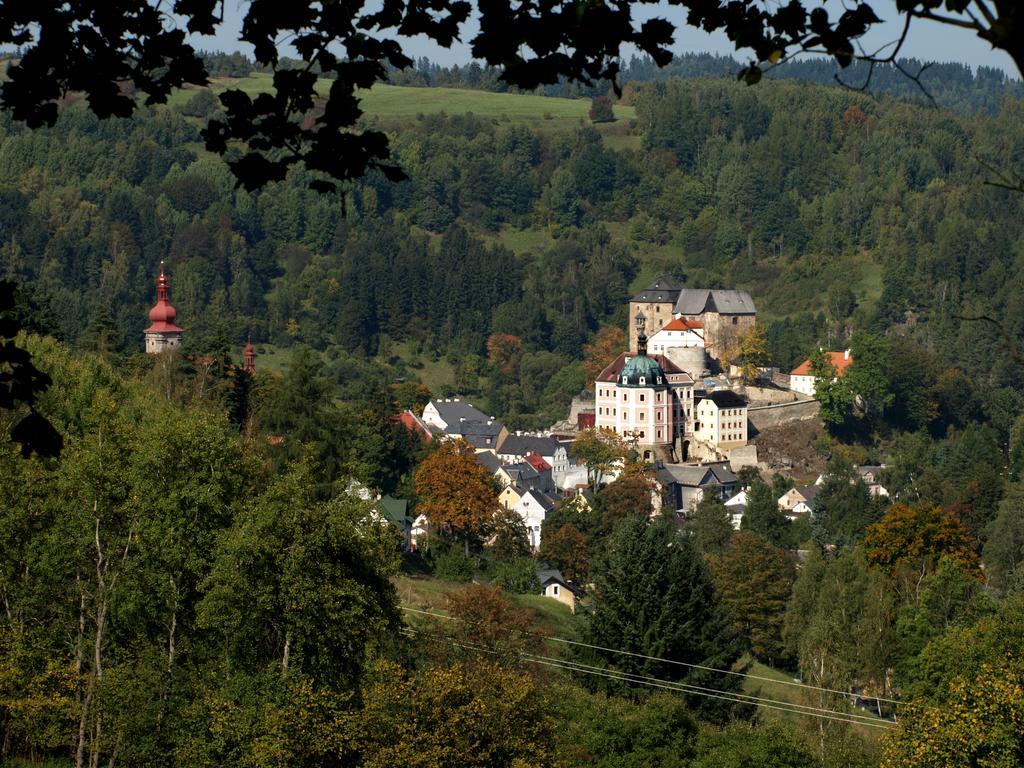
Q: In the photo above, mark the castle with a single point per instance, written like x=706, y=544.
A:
x=715, y=317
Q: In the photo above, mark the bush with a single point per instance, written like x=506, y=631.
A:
x=518, y=576
x=203, y=104
x=601, y=110
x=454, y=565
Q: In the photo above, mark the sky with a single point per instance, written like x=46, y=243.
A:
x=928, y=41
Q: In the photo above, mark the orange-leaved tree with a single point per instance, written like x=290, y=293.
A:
x=908, y=543
x=504, y=351
x=608, y=343
x=456, y=493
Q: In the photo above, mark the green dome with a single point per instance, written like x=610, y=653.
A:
x=642, y=371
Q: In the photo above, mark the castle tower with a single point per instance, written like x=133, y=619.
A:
x=250, y=358
x=162, y=333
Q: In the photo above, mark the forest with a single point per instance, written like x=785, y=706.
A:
x=195, y=580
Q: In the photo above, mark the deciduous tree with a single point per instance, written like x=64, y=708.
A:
x=455, y=492
x=608, y=343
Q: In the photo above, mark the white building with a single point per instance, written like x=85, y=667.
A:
x=721, y=419
x=677, y=333
x=533, y=507
x=801, y=380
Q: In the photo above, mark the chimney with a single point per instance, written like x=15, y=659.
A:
x=846, y=355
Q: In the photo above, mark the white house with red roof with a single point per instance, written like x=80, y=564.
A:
x=679, y=332
x=163, y=335
x=802, y=380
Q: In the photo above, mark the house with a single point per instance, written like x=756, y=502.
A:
x=533, y=507
x=677, y=333
x=525, y=475
x=553, y=585
x=723, y=314
x=488, y=460
x=737, y=506
x=801, y=380
x=396, y=512
x=872, y=477
x=796, y=502
x=721, y=419
x=516, y=446
x=683, y=486
x=457, y=418
x=510, y=495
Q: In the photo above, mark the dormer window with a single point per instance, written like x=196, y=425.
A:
x=642, y=381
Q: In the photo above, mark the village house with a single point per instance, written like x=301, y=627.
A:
x=456, y=418
x=518, y=445
x=737, y=507
x=553, y=585
x=802, y=380
x=533, y=507
x=796, y=502
x=396, y=512
x=683, y=486
x=720, y=420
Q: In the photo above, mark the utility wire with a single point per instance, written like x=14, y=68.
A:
x=794, y=684
x=679, y=687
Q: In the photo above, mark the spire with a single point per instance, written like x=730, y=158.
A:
x=163, y=292
x=250, y=357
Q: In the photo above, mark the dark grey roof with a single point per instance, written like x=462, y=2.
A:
x=691, y=475
x=452, y=411
x=726, y=398
x=520, y=445
x=488, y=460
x=723, y=473
x=521, y=471
x=548, y=575
x=663, y=290
x=697, y=301
x=808, y=491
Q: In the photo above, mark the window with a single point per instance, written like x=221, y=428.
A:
x=642, y=415
x=555, y=588
x=659, y=434
x=641, y=434
x=735, y=320
x=625, y=397
x=658, y=414
x=641, y=394
x=642, y=381
x=658, y=397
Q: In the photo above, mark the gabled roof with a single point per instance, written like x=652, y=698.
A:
x=520, y=471
x=520, y=445
x=455, y=410
x=840, y=361
x=691, y=475
x=697, y=301
x=545, y=502
x=395, y=510
x=723, y=472
x=613, y=369
x=550, y=575
x=537, y=462
x=414, y=423
x=808, y=491
x=488, y=461
x=682, y=324
x=664, y=290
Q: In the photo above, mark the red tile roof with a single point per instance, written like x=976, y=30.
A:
x=536, y=462
x=840, y=361
x=413, y=424
x=679, y=324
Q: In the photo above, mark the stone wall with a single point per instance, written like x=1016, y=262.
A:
x=766, y=416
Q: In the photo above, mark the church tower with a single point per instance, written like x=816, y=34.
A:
x=250, y=358
x=162, y=333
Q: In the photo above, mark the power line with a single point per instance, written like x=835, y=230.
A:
x=679, y=687
x=747, y=675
